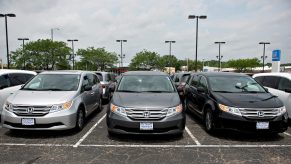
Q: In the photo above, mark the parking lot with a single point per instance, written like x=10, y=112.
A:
x=93, y=145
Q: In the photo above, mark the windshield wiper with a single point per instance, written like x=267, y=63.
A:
x=29, y=89
x=270, y=97
x=252, y=91
x=51, y=89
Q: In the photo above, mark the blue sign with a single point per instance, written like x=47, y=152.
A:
x=276, y=55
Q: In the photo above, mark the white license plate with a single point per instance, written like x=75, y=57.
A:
x=146, y=126
x=262, y=125
x=27, y=121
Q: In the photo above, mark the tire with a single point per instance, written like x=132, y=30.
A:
x=208, y=120
x=80, y=120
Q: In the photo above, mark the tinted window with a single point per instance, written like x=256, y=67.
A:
x=284, y=84
x=17, y=79
x=91, y=79
x=194, y=81
x=99, y=75
x=271, y=81
x=203, y=83
x=4, y=81
x=260, y=79
x=107, y=77
x=96, y=79
x=176, y=78
x=185, y=77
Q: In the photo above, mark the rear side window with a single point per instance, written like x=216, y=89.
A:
x=185, y=77
x=194, y=81
x=99, y=75
x=271, y=81
x=259, y=79
x=4, y=81
x=18, y=78
x=284, y=84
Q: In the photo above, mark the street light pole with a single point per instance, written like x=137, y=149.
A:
x=6, y=28
x=219, y=57
x=196, y=17
x=52, y=33
x=73, y=51
x=264, y=57
x=170, y=42
x=23, y=39
x=121, y=54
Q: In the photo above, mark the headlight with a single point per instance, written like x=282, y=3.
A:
x=118, y=110
x=282, y=110
x=59, y=107
x=229, y=109
x=8, y=106
x=174, y=110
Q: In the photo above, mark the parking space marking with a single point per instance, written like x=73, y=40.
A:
x=192, y=136
x=287, y=134
x=90, y=131
x=45, y=145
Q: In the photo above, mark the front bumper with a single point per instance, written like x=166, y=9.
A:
x=278, y=124
x=124, y=125
x=52, y=121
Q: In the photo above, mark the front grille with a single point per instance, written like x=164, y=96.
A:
x=31, y=110
x=146, y=113
x=255, y=113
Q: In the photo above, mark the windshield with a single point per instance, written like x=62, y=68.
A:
x=55, y=82
x=235, y=84
x=145, y=83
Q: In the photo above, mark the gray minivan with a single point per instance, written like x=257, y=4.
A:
x=145, y=102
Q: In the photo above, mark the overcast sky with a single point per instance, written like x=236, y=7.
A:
x=146, y=24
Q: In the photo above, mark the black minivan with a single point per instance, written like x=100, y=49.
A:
x=234, y=101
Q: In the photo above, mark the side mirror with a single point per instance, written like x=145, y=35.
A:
x=87, y=88
x=288, y=90
x=201, y=90
x=111, y=88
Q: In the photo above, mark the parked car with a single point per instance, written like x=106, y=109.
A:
x=234, y=101
x=11, y=81
x=145, y=102
x=180, y=80
x=106, y=79
x=278, y=84
x=54, y=100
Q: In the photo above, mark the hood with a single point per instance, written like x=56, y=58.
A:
x=151, y=100
x=251, y=100
x=41, y=97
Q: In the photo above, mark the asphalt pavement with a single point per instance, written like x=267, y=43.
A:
x=93, y=145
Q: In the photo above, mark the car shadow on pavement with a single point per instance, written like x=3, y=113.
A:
x=233, y=135
x=35, y=134
x=146, y=138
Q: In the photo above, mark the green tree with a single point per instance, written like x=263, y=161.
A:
x=96, y=59
x=243, y=65
x=146, y=60
x=42, y=54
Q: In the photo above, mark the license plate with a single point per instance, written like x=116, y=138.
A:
x=146, y=126
x=262, y=125
x=27, y=121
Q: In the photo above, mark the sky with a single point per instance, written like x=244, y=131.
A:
x=146, y=24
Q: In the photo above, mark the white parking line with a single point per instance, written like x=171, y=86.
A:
x=287, y=134
x=45, y=145
x=90, y=131
x=192, y=136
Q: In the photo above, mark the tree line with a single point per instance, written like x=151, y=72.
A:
x=45, y=54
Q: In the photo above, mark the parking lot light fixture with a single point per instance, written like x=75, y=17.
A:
x=264, y=57
x=23, y=39
x=122, y=56
x=196, y=17
x=170, y=51
x=219, y=57
x=6, y=29
x=73, y=51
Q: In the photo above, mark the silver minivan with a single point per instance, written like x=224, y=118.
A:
x=53, y=100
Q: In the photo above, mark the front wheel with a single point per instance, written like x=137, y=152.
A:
x=80, y=120
x=208, y=120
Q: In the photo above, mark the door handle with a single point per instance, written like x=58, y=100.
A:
x=92, y=93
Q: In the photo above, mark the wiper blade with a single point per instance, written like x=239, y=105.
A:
x=269, y=98
x=51, y=89
x=252, y=92
x=29, y=89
